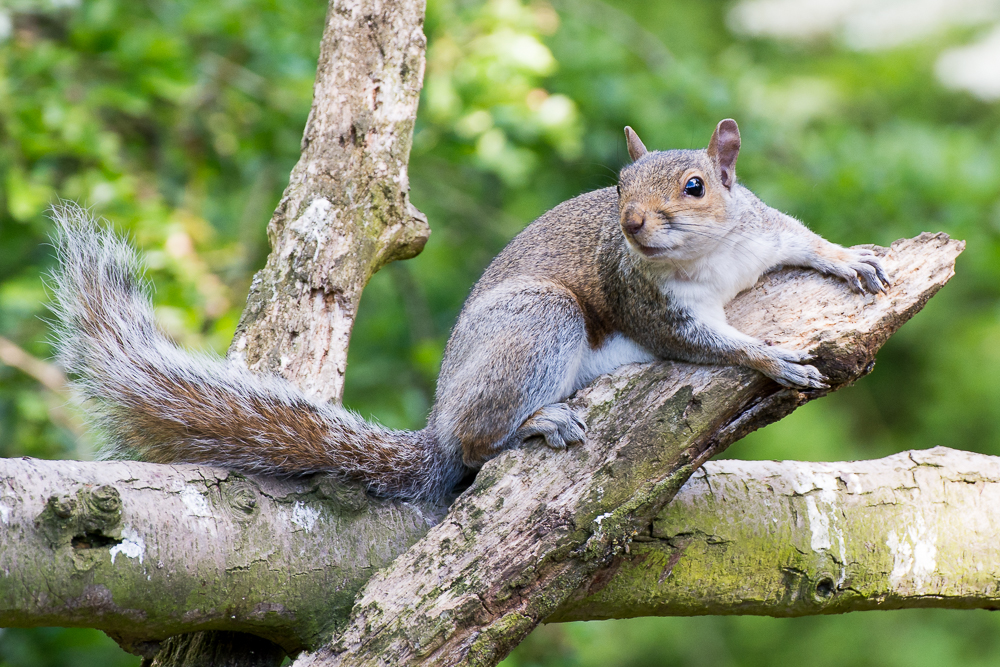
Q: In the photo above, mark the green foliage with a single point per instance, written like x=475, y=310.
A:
x=908, y=638
x=59, y=647
x=180, y=121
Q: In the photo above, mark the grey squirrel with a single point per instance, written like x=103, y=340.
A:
x=611, y=277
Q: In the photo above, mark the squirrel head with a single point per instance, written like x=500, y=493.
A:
x=673, y=204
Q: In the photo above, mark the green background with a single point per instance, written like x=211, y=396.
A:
x=179, y=122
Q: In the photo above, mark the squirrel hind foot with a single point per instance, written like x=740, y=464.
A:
x=557, y=424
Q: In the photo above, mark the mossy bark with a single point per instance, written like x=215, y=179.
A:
x=146, y=551
x=539, y=529
x=346, y=211
x=789, y=538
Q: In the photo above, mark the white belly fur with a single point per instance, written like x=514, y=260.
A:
x=616, y=351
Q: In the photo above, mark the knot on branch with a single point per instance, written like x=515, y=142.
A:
x=85, y=521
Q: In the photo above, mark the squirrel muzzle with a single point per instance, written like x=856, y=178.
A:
x=633, y=220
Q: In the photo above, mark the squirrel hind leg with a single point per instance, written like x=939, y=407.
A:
x=515, y=350
x=557, y=424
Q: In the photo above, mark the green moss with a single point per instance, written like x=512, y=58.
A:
x=498, y=639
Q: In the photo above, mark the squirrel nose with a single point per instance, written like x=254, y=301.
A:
x=633, y=222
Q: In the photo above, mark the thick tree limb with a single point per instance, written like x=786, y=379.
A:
x=146, y=551
x=538, y=526
x=917, y=529
x=346, y=211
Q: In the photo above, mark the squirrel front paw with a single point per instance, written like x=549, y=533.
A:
x=786, y=367
x=862, y=269
x=556, y=423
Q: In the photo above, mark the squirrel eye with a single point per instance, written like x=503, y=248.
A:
x=694, y=187
x=619, y=188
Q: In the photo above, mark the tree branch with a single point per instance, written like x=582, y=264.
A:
x=146, y=551
x=346, y=211
x=917, y=529
x=538, y=526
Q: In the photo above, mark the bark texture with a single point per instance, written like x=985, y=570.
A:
x=788, y=538
x=217, y=649
x=146, y=551
x=346, y=211
x=539, y=526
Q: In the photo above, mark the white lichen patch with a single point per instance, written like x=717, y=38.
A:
x=308, y=224
x=313, y=217
x=914, y=555
x=819, y=526
x=196, y=503
x=197, y=509
x=5, y=514
x=805, y=479
x=304, y=517
x=852, y=481
x=822, y=511
x=131, y=546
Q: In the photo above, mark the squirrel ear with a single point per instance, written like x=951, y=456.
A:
x=635, y=148
x=724, y=148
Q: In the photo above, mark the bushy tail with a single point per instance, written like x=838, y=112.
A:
x=163, y=404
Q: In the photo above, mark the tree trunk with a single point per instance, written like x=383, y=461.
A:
x=346, y=211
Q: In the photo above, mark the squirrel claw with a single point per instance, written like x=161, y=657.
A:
x=791, y=356
x=788, y=368
x=862, y=270
x=557, y=425
x=866, y=274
